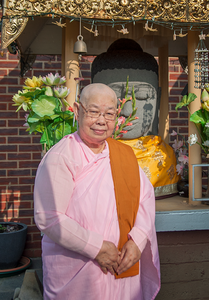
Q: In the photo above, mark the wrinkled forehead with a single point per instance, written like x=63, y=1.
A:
x=142, y=90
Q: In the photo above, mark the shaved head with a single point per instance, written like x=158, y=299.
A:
x=97, y=88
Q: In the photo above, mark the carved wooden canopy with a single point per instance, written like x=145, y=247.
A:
x=188, y=14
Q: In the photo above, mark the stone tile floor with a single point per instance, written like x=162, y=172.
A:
x=9, y=284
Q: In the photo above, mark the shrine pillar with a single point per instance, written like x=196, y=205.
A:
x=194, y=150
x=163, y=83
x=70, y=64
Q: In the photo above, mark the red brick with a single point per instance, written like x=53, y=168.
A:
x=6, y=131
x=45, y=58
x=22, y=188
x=8, y=148
x=19, y=140
x=27, y=148
x=3, y=106
x=8, y=165
x=3, y=72
x=19, y=156
x=179, y=122
x=52, y=66
x=173, y=84
x=7, y=64
x=173, y=115
x=26, y=180
x=183, y=114
x=36, y=156
x=8, y=115
x=18, y=172
x=2, y=172
x=14, y=72
x=24, y=204
x=26, y=221
x=9, y=80
x=13, y=90
x=16, y=123
x=13, y=56
x=27, y=197
x=181, y=76
x=2, y=89
x=2, y=123
x=33, y=229
x=2, y=156
x=2, y=140
x=5, y=98
x=175, y=92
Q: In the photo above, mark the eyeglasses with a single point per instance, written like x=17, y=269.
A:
x=93, y=113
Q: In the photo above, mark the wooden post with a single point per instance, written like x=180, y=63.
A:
x=70, y=65
x=163, y=83
x=195, y=150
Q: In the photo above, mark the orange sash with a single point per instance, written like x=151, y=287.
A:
x=125, y=173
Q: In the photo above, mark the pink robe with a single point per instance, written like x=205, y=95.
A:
x=75, y=208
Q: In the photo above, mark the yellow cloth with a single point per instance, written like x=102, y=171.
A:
x=158, y=161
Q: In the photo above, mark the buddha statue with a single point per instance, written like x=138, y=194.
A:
x=125, y=58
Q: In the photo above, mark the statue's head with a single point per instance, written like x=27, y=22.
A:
x=126, y=58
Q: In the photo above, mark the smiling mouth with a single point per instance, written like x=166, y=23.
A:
x=99, y=131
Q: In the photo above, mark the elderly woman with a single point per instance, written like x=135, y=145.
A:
x=96, y=208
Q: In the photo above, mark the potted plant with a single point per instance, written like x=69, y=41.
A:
x=12, y=244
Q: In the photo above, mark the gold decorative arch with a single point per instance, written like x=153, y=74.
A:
x=17, y=12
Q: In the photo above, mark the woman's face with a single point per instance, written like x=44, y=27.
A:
x=96, y=130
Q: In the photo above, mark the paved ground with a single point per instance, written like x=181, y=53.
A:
x=9, y=284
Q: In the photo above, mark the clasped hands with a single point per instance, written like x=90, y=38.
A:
x=111, y=259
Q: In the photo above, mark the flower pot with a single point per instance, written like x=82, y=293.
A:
x=12, y=245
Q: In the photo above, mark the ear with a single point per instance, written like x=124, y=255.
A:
x=76, y=110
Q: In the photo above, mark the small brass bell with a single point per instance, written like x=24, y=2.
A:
x=80, y=46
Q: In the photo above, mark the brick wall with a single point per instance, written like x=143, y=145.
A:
x=20, y=153
x=177, y=81
x=184, y=265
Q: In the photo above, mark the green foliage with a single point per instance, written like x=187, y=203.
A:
x=46, y=115
x=186, y=100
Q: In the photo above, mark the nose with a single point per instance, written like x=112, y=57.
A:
x=101, y=119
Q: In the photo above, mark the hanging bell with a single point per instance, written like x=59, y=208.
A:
x=80, y=46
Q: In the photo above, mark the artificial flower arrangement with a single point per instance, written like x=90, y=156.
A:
x=44, y=99
x=181, y=149
x=201, y=117
x=50, y=115
x=121, y=121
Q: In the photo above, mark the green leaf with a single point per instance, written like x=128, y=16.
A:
x=200, y=116
x=186, y=100
x=65, y=115
x=33, y=118
x=206, y=131
x=45, y=105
